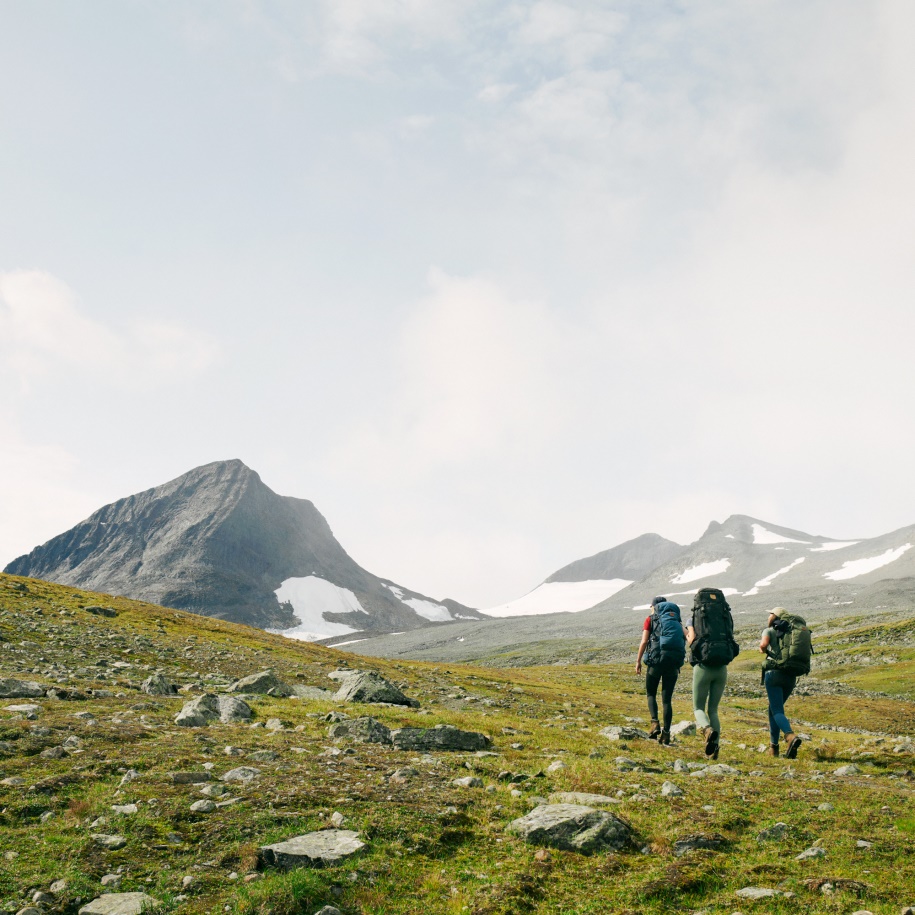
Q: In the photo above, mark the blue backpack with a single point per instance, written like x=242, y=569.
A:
x=666, y=641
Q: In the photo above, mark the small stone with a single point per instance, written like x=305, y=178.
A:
x=469, y=781
x=328, y=910
x=572, y=827
x=189, y=778
x=203, y=806
x=119, y=904
x=669, y=789
x=757, y=892
x=712, y=842
x=862, y=843
x=112, y=843
x=337, y=819
x=556, y=766
x=59, y=887
x=773, y=833
x=111, y=880
x=125, y=809
x=46, y=817
x=581, y=798
x=242, y=774
x=814, y=852
x=844, y=771
x=826, y=807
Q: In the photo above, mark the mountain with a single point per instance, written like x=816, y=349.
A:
x=587, y=582
x=757, y=564
x=218, y=542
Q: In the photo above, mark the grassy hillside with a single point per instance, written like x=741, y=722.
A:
x=432, y=847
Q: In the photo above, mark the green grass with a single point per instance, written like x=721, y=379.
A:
x=431, y=847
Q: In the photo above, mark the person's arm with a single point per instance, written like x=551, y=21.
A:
x=764, y=642
x=690, y=635
x=642, y=646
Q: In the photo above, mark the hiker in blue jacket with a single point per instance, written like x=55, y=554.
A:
x=664, y=647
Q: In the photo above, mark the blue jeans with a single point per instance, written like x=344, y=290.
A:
x=779, y=686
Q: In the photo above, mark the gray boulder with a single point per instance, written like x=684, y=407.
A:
x=773, y=833
x=441, y=737
x=468, y=781
x=572, y=827
x=11, y=688
x=206, y=709
x=582, y=798
x=367, y=686
x=314, y=849
x=845, y=771
x=120, y=904
x=264, y=683
x=713, y=842
x=112, y=843
x=159, y=685
x=362, y=730
x=310, y=692
x=243, y=774
x=669, y=789
x=683, y=729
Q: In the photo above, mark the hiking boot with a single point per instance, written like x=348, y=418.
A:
x=793, y=747
x=655, y=731
x=773, y=749
x=711, y=742
x=664, y=739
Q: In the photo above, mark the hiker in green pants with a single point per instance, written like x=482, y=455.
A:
x=710, y=636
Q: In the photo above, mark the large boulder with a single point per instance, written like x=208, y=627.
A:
x=367, y=686
x=159, y=685
x=209, y=708
x=582, y=798
x=11, y=688
x=572, y=827
x=120, y=904
x=314, y=849
x=362, y=730
x=265, y=683
x=441, y=737
x=617, y=732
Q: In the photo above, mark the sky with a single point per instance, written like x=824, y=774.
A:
x=496, y=285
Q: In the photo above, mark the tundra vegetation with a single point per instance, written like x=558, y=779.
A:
x=103, y=792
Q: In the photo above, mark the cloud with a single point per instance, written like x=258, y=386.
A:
x=44, y=332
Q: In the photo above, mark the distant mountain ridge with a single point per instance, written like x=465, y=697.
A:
x=219, y=542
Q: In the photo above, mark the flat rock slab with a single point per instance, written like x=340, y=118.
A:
x=25, y=708
x=615, y=732
x=441, y=737
x=363, y=730
x=583, y=799
x=367, y=686
x=11, y=688
x=310, y=692
x=112, y=843
x=314, y=849
x=715, y=771
x=242, y=774
x=713, y=842
x=120, y=904
x=572, y=827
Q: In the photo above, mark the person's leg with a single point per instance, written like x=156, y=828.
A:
x=652, y=679
x=778, y=721
x=668, y=684
x=701, y=682
x=717, y=684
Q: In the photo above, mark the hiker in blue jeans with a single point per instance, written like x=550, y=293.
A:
x=779, y=686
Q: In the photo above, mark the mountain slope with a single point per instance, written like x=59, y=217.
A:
x=219, y=542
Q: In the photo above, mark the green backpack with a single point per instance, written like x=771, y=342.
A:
x=796, y=646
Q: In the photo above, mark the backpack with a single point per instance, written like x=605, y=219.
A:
x=795, y=644
x=714, y=645
x=666, y=641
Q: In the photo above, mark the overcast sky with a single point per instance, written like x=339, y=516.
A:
x=496, y=285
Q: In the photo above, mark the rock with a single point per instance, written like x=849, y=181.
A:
x=337, y=819
x=556, y=766
x=362, y=730
x=402, y=776
x=125, y=810
x=468, y=781
x=24, y=708
x=863, y=843
x=615, y=732
x=313, y=849
x=624, y=764
x=59, y=887
x=826, y=807
x=108, y=612
x=669, y=789
x=14, y=781
x=807, y=854
x=203, y=807
x=233, y=710
x=275, y=724
x=310, y=692
x=773, y=833
x=582, y=798
x=263, y=683
x=189, y=778
x=844, y=771
x=119, y=904
x=11, y=688
x=198, y=712
x=66, y=695
x=680, y=766
x=572, y=827
x=718, y=769
x=242, y=774
x=30, y=910
x=757, y=892
x=713, y=842
x=112, y=880
x=367, y=686
x=112, y=843
x=53, y=753
x=159, y=685
x=264, y=756
x=328, y=910
x=441, y=737
x=683, y=729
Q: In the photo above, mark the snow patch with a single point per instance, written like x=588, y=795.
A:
x=561, y=597
x=835, y=545
x=435, y=613
x=763, y=536
x=395, y=591
x=855, y=567
x=350, y=642
x=717, y=567
x=311, y=598
x=765, y=582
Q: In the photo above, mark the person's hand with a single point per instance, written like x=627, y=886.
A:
x=638, y=667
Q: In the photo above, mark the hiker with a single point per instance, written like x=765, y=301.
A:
x=710, y=636
x=663, y=646
x=786, y=644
